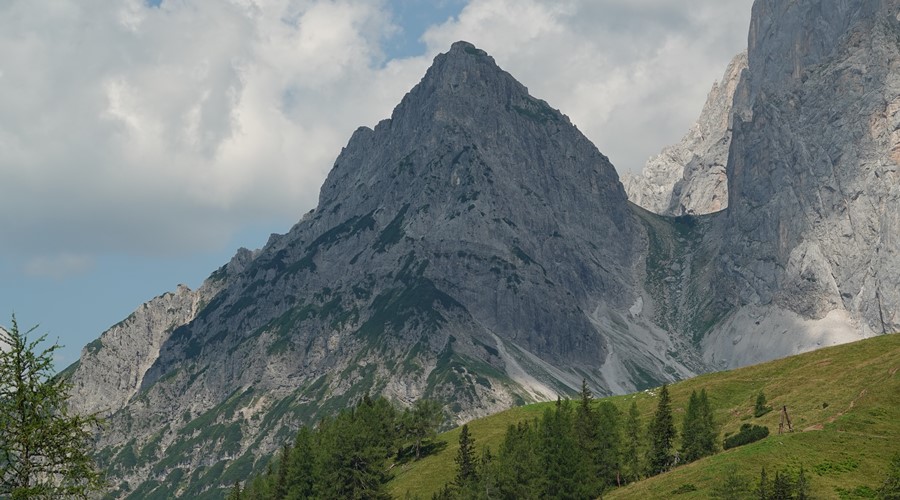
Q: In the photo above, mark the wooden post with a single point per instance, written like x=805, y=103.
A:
x=785, y=418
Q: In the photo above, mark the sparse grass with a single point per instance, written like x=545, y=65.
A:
x=845, y=445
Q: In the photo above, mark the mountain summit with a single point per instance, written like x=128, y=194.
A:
x=477, y=249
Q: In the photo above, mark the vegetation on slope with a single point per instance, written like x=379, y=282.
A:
x=844, y=404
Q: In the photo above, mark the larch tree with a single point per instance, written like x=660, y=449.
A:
x=44, y=450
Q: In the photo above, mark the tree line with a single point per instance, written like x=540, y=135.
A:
x=347, y=456
x=580, y=450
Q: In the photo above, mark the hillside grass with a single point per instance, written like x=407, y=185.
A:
x=843, y=401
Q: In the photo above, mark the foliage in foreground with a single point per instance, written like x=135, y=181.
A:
x=43, y=449
x=349, y=455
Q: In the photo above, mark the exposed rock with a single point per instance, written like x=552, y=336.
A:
x=475, y=249
x=813, y=170
x=689, y=177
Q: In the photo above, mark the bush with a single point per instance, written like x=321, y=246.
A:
x=747, y=434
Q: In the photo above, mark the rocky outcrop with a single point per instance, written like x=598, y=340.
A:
x=688, y=178
x=475, y=248
x=812, y=225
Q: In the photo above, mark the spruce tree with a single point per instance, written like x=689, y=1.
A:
x=763, y=489
x=733, y=486
x=302, y=463
x=632, y=448
x=280, y=489
x=690, y=430
x=560, y=459
x=760, y=408
x=662, y=435
x=518, y=468
x=698, y=435
x=587, y=434
x=466, y=468
x=235, y=493
x=609, y=448
x=782, y=486
x=708, y=434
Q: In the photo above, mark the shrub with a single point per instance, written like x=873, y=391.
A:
x=747, y=434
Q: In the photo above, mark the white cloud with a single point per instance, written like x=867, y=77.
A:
x=632, y=74
x=135, y=129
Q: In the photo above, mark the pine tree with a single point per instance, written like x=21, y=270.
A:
x=760, y=408
x=518, y=469
x=235, y=493
x=763, y=488
x=633, y=439
x=733, y=486
x=698, y=435
x=609, y=448
x=560, y=460
x=662, y=435
x=281, y=481
x=301, y=467
x=43, y=449
x=420, y=424
x=782, y=487
x=708, y=435
x=690, y=430
x=587, y=434
x=466, y=469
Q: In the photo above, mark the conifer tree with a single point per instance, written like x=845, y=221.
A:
x=301, y=467
x=560, y=459
x=708, y=434
x=782, y=486
x=760, y=408
x=763, y=488
x=235, y=493
x=466, y=468
x=732, y=487
x=698, y=435
x=518, y=469
x=587, y=434
x=43, y=449
x=690, y=430
x=421, y=422
x=279, y=492
x=633, y=439
x=609, y=447
x=662, y=435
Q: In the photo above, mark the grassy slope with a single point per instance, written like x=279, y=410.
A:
x=844, y=444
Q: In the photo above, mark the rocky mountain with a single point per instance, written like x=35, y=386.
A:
x=811, y=230
x=477, y=249
x=688, y=178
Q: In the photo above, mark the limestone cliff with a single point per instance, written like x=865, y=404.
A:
x=812, y=226
x=689, y=177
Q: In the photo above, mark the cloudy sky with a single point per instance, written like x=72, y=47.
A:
x=143, y=141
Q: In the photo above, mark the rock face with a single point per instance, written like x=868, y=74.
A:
x=475, y=248
x=688, y=178
x=812, y=226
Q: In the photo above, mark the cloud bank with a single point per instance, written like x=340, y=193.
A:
x=140, y=129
